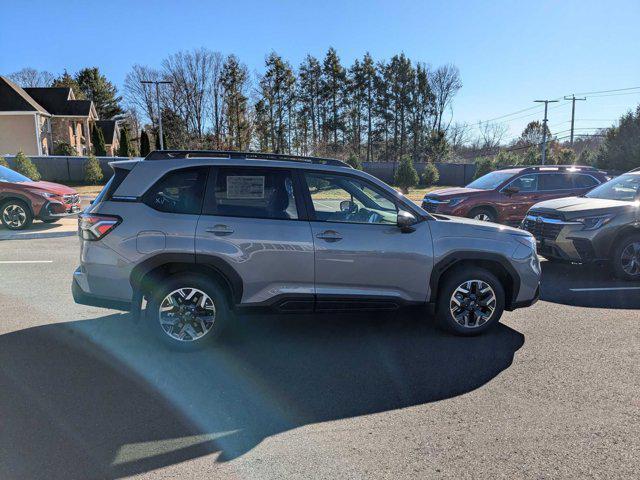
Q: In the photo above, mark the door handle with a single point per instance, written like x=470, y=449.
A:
x=329, y=236
x=220, y=230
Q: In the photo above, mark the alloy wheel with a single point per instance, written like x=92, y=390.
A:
x=187, y=314
x=14, y=216
x=483, y=217
x=630, y=259
x=473, y=303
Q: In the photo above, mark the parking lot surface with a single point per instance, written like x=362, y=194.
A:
x=553, y=392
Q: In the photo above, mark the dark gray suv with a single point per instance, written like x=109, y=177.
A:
x=197, y=236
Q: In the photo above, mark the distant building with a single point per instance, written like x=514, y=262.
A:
x=111, y=133
x=35, y=120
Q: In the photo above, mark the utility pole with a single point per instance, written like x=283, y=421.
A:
x=544, y=128
x=157, y=83
x=573, y=112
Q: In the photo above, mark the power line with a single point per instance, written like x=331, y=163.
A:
x=608, y=91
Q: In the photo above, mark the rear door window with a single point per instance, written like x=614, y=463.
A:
x=253, y=192
x=555, y=181
x=179, y=191
x=584, y=181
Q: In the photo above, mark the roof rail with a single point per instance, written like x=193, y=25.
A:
x=174, y=154
x=534, y=168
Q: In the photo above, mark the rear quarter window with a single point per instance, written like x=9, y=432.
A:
x=179, y=191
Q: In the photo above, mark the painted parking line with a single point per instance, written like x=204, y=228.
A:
x=602, y=289
x=24, y=261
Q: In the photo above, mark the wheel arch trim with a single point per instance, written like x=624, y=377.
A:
x=188, y=262
x=452, y=259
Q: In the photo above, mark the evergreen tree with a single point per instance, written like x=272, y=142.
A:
x=145, y=147
x=92, y=171
x=354, y=161
x=406, y=176
x=3, y=162
x=102, y=92
x=124, y=149
x=24, y=165
x=431, y=175
x=234, y=83
x=66, y=80
x=309, y=95
x=97, y=139
x=333, y=89
x=277, y=88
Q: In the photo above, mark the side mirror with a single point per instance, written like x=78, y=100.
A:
x=406, y=221
x=511, y=190
x=348, y=206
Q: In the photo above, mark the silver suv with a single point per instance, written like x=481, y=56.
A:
x=198, y=236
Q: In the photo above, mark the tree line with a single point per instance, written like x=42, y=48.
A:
x=374, y=110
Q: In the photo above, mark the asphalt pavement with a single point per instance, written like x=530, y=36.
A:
x=552, y=392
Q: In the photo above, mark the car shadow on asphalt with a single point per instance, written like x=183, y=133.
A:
x=101, y=398
x=587, y=286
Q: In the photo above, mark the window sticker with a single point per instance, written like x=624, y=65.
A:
x=245, y=187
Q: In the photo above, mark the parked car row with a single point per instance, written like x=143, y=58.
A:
x=574, y=213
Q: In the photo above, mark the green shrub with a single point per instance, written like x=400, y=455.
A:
x=484, y=165
x=92, y=171
x=64, y=148
x=355, y=162
x=125, y=148
x=430, y=176
x=4, y=163
x=26, y=167
x=406, y=175
x=565, y=156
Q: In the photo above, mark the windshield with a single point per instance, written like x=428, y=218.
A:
x=625, y=187
x=8, y=175
x=490, y=181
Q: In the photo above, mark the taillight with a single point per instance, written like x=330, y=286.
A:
x=94, y=227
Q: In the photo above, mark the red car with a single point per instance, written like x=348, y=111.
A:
x=22, y=200
x=504, y=196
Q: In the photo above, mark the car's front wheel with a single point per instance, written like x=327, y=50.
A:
x=626, y=258
x=15, y=215
x=483, y=214
x=188, y=311
x=470, y=301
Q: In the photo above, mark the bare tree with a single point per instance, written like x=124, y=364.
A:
x=445, y=82
x=459, y=135
x=30, y=77
x=192, y=77
x=141, y=97
x=491, y=135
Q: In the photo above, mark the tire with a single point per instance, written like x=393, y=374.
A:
x=183, y=288
x=483, y=214
x=473, y=279
x=15, y=215
x=626, y=258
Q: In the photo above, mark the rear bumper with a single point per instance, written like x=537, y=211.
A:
x=83, y=298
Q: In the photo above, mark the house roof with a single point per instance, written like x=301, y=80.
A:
x=109, y=130
x=15, y=99
x=57, y=101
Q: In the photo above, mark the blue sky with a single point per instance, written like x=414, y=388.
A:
x=509, y=53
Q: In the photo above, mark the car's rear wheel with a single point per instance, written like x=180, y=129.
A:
x=15, y=215
x=626, y=258
x=483, y=214
x=188, y=311
x=470, y=301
